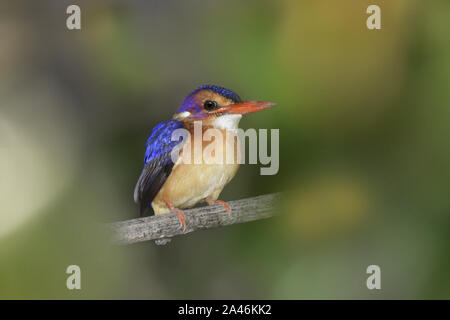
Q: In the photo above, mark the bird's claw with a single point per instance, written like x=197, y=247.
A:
x=179, y=213
x=221, y=202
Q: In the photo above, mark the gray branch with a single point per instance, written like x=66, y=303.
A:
x=166, y=226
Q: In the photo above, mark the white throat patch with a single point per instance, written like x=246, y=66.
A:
x=227, y=121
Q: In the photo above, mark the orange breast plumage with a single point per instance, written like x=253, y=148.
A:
x=189, y=182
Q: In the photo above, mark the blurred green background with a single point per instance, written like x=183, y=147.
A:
x=364, y=119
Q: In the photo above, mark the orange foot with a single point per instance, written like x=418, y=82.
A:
x=179, y=213
x=223, y=203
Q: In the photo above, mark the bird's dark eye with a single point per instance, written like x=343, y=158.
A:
x=210, y=105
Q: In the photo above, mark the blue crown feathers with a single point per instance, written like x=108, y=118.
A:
x=219, y=90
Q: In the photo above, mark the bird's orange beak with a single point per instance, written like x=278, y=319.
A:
x=246, y=107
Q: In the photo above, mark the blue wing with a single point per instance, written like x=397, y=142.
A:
x=157, y=163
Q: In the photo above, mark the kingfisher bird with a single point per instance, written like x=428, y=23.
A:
x=169, y=185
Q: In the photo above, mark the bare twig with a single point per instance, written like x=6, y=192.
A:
x=166, y=226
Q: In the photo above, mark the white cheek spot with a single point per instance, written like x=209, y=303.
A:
x=183, y=115
x=228, y=121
